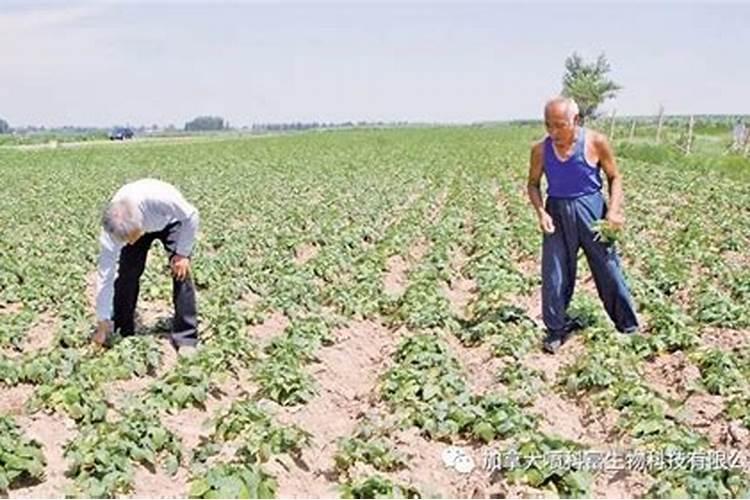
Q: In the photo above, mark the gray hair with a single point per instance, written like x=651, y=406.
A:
x=571, y=106
x=121, y=218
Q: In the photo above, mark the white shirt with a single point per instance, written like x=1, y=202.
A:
x=160, y=204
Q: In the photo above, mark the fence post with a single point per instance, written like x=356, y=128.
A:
x=690, y=135
x=632, y=131
x=661, y=122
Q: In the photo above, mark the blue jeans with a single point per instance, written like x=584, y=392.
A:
x=573, y=219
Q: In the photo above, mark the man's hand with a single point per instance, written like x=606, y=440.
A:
x=616, y=219
x=545, y=222
x=103, y=329
x=180, y=267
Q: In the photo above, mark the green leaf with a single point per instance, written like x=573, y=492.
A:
x=171, y=464
x=578, y=483
x=429, y=391
x=484, y=431
x=267, y=488
x=159, y=435
x=198, y=488
x=4, y=482
x=181, y=395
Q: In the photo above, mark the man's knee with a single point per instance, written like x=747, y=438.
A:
x=128, y=277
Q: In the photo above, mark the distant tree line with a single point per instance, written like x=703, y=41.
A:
x=206, y=123
x=282, y=127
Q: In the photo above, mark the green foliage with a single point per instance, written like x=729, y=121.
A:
x=588, y=83
x=720, y=373
x=13, y=327
x=80, y=398
x=738, y=407
x=255, y=438
x=282, y=376
x=131, y=357
x=701, y=484
x=259, y=438
x=524, y=383
x=427, y=387
x=102, y=457
x=537, y=466
x=233, y=481
x=718, y=308
x=444, y=204
x=377, y=487
x=605, y=233
x=188, y=384
x=605, y=364
x=374, y=451
x=21, y=459
x=284, y=380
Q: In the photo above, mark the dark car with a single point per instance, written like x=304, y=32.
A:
x=120, y=133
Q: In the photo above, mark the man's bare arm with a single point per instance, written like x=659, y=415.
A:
x=614, y=179
x=536, y=169
x=533, y=188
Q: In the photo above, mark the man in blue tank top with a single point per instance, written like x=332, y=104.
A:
x=571, y=158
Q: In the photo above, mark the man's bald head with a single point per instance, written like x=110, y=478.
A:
x=560, y=119
x=561, y=108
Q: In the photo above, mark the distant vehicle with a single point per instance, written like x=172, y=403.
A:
x=120, y=134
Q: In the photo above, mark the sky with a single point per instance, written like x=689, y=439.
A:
x=101, y=63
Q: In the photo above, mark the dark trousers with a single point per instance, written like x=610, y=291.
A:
x=127, y=284
x=573, y=219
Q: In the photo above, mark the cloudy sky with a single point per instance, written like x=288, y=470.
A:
x=108, y=62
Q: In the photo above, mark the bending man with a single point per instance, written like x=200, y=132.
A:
x=139, y=213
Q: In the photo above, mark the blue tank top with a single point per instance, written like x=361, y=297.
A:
x=573, y=177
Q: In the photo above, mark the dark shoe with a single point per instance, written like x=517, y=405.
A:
x=633, y=330
x=552, y=344
x=574, y=325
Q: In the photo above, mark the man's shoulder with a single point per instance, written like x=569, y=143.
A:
x=152, y=184
x=146, y=188
x=538, y=147
x=595, y=137
x=597, y=141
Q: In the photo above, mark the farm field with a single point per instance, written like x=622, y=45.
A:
x=368, y=299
